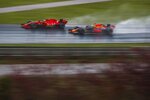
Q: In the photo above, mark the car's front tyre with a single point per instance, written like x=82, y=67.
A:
x=109, y=32
x=62, y=26
x=33, y=26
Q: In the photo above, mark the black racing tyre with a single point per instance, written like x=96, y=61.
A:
x=62, y=26
x=81, y=31
x=33, y=25
x=69, y=30
x=109, y=32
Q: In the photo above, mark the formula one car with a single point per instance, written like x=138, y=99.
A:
x=99, y=29
x=47, y=23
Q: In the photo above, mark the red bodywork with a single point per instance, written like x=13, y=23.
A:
x=52, y=22
x=45, y=23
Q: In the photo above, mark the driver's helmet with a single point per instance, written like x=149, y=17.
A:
x=60, y=20
x=89, y=27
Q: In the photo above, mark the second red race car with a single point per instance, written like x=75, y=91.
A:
x=99, y=29
x=47, y=23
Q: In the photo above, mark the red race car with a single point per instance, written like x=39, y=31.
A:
x=47, y=23
x=93, y=29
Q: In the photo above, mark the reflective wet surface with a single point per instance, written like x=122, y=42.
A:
x=16, y=34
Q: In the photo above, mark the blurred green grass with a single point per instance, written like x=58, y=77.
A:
x=8, y=3
x=112, y=12
x=56, y=60
x=79, y=45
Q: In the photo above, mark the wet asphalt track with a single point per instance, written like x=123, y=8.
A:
x=16, y=34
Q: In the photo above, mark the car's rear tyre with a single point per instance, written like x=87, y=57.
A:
x=81, y=31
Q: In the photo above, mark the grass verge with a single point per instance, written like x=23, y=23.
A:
x=79, y=45
x=54, y=60
x=105, y=12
